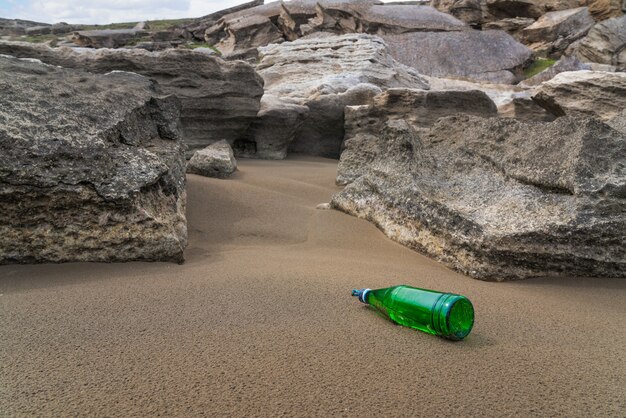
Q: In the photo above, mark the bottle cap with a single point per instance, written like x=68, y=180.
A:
x=362, y=294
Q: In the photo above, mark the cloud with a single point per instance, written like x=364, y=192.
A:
x=109, y=11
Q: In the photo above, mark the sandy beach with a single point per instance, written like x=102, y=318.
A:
x=259, y=321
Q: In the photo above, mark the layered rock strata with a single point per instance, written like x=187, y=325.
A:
x=91, y=167
x=499, y=199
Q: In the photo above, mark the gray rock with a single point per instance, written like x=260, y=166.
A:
x=604, y=44
x=468, y=11
x=200, y=25
x=17, y=27
x=525, y=109
x=513, y=26
x=38, y=30
x=216, y=160
x=91, y=167
x=555, y=31
x=528, y=8
x=500, y=199
x=562, y=65
x=63, y=28
x=219, y=99
x=308, y=83
x=382, y=19
x=107, y=38
x=596, y=93
x=418, y=108
x=491, y=56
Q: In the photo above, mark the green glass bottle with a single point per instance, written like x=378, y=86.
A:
x=445, y=314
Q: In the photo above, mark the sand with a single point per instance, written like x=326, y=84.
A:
x=259, y=322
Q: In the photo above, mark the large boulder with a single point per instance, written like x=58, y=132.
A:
x=308, y=83
x=216, y=160
x=17, y=27
x=198, y=27
x=491, y=56
x=92, y=167
x=597, y=93
x=500, y=199
x=419, y=108
x=555, y=31
x=604, y=44
x=219, y=98
x=513, y=25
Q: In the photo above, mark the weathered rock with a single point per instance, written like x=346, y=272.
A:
x=498, y=198
x=91, y=167
x=63, y=28
x=604, y=44
x=382, y=19
x=38, y=30
x=561, y=66
x=249, y=32
x=594, y=93
x=619, y=122
x=605, y=9
x=525, y=109
x=17, y=27
x=513, y=26
x=558, y=29
x=419, y=108
x=492, y=56
x=219, y=99
x=200, y=25
x=554, y=25
x=308, y=83
x=216, y=160
x=469, y=11
x=107, y=38
x=529, y=8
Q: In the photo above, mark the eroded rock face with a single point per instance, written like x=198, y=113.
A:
x=418, y=108
x=604, y=44
x=308, y=83
x=529, y=8
x=559, y=29
x=219, y=98
x=500, y=199
x=216, y=160
x=597, y=93
x=91, y=167
x=490, y=56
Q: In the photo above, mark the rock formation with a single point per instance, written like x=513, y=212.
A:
x=605, y=44
x=596, y=93
x=555, y=31
x=216, y=160
x=308, y=83
x=107, y=38
x=419, y=108
x=91, y=167
x=491, y=56
x=219, y=99
x=469, y=11
x=498, y=199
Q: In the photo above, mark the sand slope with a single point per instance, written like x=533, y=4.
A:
x=260, y=321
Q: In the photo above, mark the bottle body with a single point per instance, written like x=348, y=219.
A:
x=445, y=314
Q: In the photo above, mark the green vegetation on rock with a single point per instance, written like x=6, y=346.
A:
x=538, y=66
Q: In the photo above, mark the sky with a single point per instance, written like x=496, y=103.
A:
x=109, y=11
